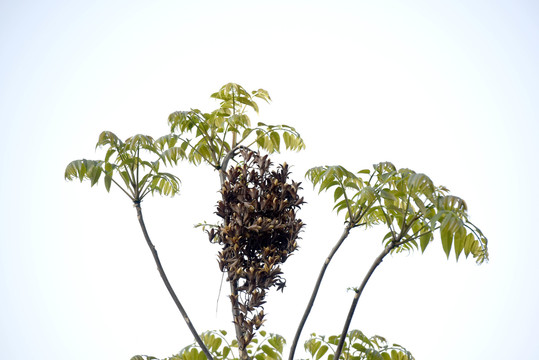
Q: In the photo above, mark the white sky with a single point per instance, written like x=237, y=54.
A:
x=448, y=88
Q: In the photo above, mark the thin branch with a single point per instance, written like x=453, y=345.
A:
x=359, y=291
x=234, y=134
x=138, y=166
x=416, y=236
x=167, y=283
x=121, y=188
x=131, y=180
x=350, y=215
x=389, y=222
x=404, y=218
x=344, y=235
x=229, y=156
x=145, y=187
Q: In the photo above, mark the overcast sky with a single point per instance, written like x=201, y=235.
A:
x=447, y=88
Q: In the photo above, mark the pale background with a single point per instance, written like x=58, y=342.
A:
x=448, y=88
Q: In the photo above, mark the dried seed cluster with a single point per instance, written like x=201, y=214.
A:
x=259, y=232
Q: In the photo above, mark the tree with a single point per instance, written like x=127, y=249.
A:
x=259, y=227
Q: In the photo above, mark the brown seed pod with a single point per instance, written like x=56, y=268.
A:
x=259, y=232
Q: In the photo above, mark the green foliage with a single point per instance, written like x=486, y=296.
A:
x=209, y=137
x=407, y=202
x=124, y=166
x=267, y=347
x=357, y=346
x=271, y=346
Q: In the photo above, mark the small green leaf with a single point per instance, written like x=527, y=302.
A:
x=108, y=182
x=226, y=351
x=321, y=352
x=339, y=191
x=277, y=342
x=333, y=340
x=425, y=240
x=468, y=244
x=276, y=140
x=459, y=241
x=216, y=344
x=447, y=240
x=270, y=352
x=386, y=194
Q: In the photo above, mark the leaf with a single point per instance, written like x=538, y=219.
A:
x=277, y=342
x=312, y=346
x=386, y=194
x=459, y=241
x=94, y=174
x=216, y=344
x=270, y=352
x=108, y=138
x=108, y=182
x=367, y=195
x=339, y=191
x=262, y=94
x=468, y=244
x=276, y=140
x=201, y=356
x=447, y=239
x=323, y=349
x=424, y=240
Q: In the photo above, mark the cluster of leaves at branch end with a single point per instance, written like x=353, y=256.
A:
x=266, y=347
x=208, y=137
x=124, y=166
x=407, y=202
x=357, y=346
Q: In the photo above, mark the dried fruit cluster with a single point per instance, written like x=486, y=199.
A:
x=259, y=232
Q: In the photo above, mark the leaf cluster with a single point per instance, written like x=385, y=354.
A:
x=271, y=346
x=407, y=202
x=258, y=233
x=209, y=137
x=357, y=346
x=125, y=166
x=268, y=347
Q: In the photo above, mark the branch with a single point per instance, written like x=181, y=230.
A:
x=229, y=156
x=359, y=291
x=389, y=222
x=121, y=188
x=167, y=283
x=350, y=215
x=344, y=235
